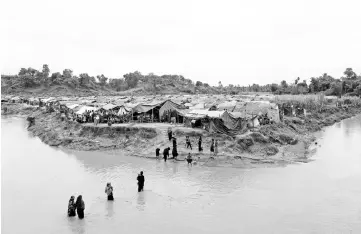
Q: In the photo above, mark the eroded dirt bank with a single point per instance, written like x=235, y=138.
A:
x=275, y=144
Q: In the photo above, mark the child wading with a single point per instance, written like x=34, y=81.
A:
x=80, y=207
x=109, y=192
x=189, y=159
x=71, y=207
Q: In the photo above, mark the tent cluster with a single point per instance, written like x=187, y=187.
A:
x=213, y=113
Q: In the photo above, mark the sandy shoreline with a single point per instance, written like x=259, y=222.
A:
x=268, y=145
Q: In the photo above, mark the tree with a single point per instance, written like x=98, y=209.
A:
x=45, y=71
x=67, y=73
x=274, y=87
x=350, y=74
x=314, y=85
x=102, y=80
x=23, y=71
x=296, y=81
x=132, y=79
x=85, y=79
x=198, y=83
x=284, y=84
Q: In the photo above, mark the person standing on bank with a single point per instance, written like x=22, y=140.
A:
x=80, y=206
x=188, y=142
x=71, y=207
x=200, y=149
x=212, y=147
x=216, y=148
x=109, y=192
x=141, y=181
x=170, y=134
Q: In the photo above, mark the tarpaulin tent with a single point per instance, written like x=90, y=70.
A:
x=124, y=110
x=71, y=106
x=83, y=109
x=108, y=106
x=169, y=106
x=143, y=108
x=227, y=105
x=259, y=108
x=217, y=126
x=232, y=122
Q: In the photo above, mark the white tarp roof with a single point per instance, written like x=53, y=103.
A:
x=71, y=105
x=83, y=109
x=204, y=113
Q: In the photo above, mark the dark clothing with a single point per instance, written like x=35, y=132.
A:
x=110, y=197
x=200, y=146
x=174, y=152
x=170, y=135
x=189, y=144
x=165, y=154
x=157, y=152
x=189, y=160
x=71, y=208
x=174, y=143
x=80, y=206
x=80, y=213
x=141, y=181
x=212, y=147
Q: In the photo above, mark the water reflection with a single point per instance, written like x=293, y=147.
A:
x=141, y=201
x=110, y=208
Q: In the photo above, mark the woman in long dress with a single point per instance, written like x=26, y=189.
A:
x=80, y=206
x=216, y=148
x=71, y=207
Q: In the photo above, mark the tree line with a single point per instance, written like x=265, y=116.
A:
x=350, y=83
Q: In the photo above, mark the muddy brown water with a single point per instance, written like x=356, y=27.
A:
x=322, y=196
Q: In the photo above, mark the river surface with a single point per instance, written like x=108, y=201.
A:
x=322, y=196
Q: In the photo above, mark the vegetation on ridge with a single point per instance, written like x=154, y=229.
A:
x=35, y=81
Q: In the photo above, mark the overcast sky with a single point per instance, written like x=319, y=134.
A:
x=239, y=42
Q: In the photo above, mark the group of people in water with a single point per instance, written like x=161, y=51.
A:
x=78, y=206
x=173, y=139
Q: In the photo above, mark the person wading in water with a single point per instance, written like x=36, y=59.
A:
x=80, y=206
x=109, y=192
x=71, y=207
x=157, y=153
x=166, y=153
x=189, y=159
x=141, y=181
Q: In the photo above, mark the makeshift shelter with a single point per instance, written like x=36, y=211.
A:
x=171, y=109
x=259, y=108
x=124, y=110
x=147, y=112
x=230, y=106
x=83, y=109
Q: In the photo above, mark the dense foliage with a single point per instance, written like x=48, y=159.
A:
x=349, y=84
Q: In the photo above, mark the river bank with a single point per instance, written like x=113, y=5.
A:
x=275, y=144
